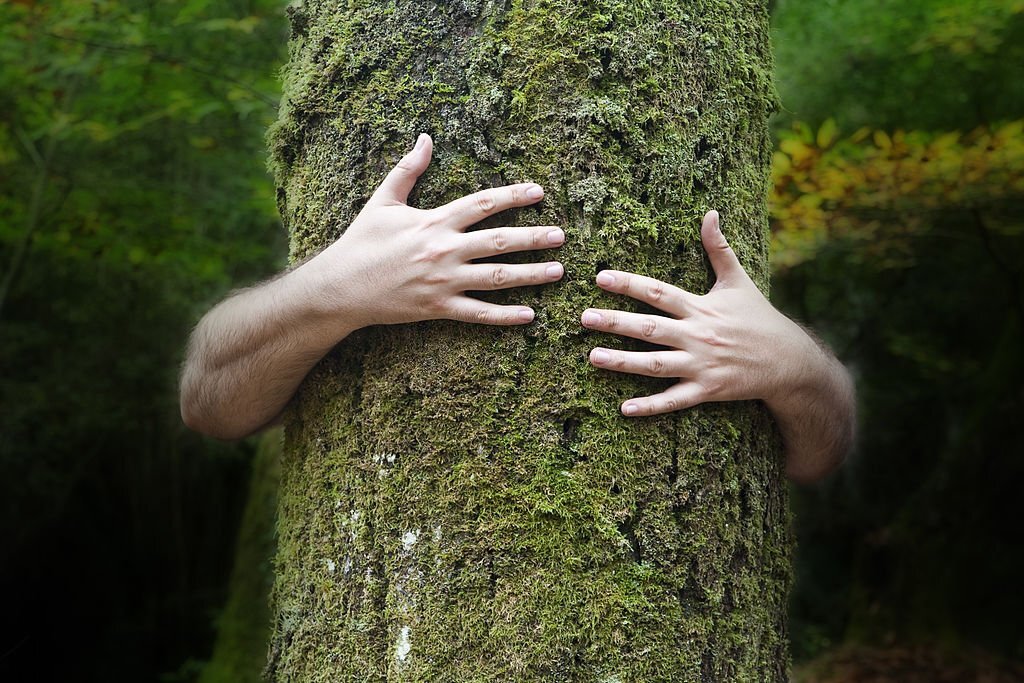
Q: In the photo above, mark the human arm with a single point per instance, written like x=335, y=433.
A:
x=394, y=264
x=731, y=344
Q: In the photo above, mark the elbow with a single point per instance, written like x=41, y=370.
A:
x=193, y=416
x=805, y=471
x=813, y=473
x=200, y=418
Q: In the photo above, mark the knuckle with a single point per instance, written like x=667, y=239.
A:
x=431, y=220
x=655, y=364
x=537, y=238
x=627, y=284
x=713, y=385
x=433, y=254
x=710, y=337
x=436, y=278
x=619, y=361
x=500, y=240
x=656, y=292
x=437, y=305
x=499, y=276
x=670, y=405
x=481, y=315
x=484, y=203
x=649, y=327
x=516, y=195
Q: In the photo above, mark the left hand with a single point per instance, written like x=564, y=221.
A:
x=729, y=344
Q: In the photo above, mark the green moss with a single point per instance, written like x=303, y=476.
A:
x=552, y=538
x=244, y=625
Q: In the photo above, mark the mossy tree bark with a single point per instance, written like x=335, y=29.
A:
x=243, y=626
x=463, y=503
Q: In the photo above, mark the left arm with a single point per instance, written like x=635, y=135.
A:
x=731, y=344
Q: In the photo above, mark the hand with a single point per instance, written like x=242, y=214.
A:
x=729, y=344
x=398, y=264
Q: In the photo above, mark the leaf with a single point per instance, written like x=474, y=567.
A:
x=828, y=133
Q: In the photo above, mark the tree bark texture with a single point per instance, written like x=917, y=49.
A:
x=466, y=503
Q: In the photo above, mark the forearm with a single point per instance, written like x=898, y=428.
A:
x=816, y=417
x=249, y=354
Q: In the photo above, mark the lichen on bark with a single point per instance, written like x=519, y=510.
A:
x=466, y=503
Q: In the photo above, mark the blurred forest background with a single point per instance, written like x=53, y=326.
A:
x=133, y=195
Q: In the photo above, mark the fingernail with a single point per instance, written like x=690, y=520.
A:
x=600, y=356
x=526, y=315
x=535, y=192
x=605, y=279
x=554, y=270
x=556, y=237
x=420, y=141
x=629, y=409
x=591, y=318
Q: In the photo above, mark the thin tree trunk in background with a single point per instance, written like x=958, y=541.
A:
x=244, y=623
x=464, y=503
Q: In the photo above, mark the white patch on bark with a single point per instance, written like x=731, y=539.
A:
x=382, y=458
x=404, y=645
x=409, y=539
x=331, y=566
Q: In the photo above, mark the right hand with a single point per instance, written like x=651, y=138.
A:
x=399, y=264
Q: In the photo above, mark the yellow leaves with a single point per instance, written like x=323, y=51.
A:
x=824, y=187
x=882, y=140
x=797, y=150
x=827, y=134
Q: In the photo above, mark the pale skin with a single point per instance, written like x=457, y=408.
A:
x=399, y=264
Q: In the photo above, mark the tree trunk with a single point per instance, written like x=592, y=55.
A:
x=466, y=503
x=243, y=626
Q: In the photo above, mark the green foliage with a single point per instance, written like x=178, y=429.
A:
x=912, y=64
x=132, y=193
x=243, y=628
x=902, y=242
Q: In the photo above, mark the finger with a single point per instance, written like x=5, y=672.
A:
x=661, y=295
x=676, y=397
x=484, y=243
x=473, y=208
x=399, y=182
x=649, y=363
x=469, y=310
x=489, y=276
x=651, y=328
x=723, y=259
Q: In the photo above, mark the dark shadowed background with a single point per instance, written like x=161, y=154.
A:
x=133, y=195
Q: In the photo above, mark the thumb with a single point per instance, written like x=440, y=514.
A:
x=723, y=259
x=399, y=182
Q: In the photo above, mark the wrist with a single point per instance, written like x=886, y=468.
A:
x=329, y=308
x=801, y=373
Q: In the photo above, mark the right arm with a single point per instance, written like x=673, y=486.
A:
x=394, y=264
